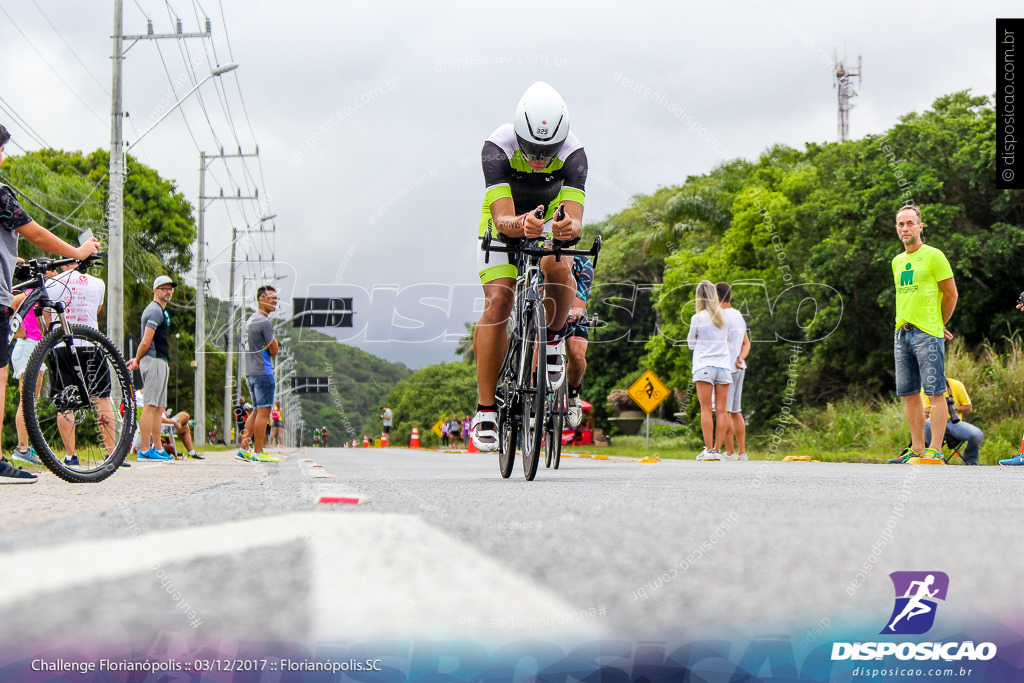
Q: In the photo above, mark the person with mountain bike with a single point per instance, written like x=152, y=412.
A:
x=535, y=163
x=14, y=222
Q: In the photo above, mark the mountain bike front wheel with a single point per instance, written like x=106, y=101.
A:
x=82, y=421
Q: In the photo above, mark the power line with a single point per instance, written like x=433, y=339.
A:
x=106, y=91
x=6, y=107
x=50, y=66
x=39, y=206
x=241, y=98
x=148, y=18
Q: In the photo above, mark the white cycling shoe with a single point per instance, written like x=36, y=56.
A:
x=575, y=414
x=556, y=365
x=484, y=431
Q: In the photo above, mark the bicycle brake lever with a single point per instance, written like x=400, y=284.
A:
x=487, y=246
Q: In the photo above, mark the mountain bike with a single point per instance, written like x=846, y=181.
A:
x=522, y=388
x=558, y=409
x=86, y=406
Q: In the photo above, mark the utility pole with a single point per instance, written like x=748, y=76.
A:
x=199, y=391
x=115, y=197
x=115, y=200
x=201, y=280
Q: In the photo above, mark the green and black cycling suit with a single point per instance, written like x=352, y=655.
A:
x=508, y=174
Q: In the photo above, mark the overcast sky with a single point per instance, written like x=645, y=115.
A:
x=370, y=116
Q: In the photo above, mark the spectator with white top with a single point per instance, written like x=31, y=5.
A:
x=739, y=347
x=709, y=339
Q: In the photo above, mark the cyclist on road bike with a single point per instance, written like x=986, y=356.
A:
x=534, y=162
x=578, y=336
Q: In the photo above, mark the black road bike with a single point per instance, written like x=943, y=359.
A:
x=77, y=395
x=522, y=387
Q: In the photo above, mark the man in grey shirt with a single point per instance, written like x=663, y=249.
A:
x=14, y=222
x=260, y=348
x=152, y=359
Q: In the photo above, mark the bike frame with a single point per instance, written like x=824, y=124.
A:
x=525, y=254
x=35, y=302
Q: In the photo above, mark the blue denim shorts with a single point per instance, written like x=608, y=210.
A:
x=712, y=375
x=920, y=362
x=261, y=389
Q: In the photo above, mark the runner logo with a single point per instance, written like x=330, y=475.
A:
x=916, y=593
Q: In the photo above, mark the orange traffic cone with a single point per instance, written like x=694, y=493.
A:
x=472, y=447
x=366, y=442
x=414, y=442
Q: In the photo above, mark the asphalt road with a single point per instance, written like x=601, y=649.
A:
x=440, y=546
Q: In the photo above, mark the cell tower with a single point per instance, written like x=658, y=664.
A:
x=846, y=90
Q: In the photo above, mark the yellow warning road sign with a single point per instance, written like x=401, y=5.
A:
x=437, y=427
x=648, y=392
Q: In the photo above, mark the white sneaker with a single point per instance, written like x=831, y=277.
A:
x=556, y=365
x=709, y=456
x=730, y=457
x=484, y=431
x=742, y=457
x=575, y=414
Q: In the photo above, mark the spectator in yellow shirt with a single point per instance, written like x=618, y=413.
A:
x=956, y=428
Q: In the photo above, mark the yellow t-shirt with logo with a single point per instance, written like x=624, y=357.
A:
x=918, y=299
x=959, y=394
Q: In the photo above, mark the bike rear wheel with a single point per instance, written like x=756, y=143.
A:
x=508, y=426
x=96, y=427
x=556, y=421
x=534, y=390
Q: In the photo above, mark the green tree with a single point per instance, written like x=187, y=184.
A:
x=429, y=394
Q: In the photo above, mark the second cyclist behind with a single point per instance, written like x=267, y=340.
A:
x=531, y=163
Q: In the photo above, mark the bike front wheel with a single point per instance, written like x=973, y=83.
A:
x=82, y=420
x=535, y=389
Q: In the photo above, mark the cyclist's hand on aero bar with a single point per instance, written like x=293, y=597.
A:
x=90, y=247
x=561, y=228
x=533, y=226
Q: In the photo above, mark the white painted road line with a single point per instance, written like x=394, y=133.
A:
x=372, y=575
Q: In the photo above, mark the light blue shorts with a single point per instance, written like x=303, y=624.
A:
x=712, y=375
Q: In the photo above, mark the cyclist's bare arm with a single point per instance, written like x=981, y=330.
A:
x=503, y=212
x=47, y=241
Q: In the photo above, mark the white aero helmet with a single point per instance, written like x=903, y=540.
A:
x=541, y=122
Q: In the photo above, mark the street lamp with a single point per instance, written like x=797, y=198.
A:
x=220, y=70
x=231, y=313
x=115, y=237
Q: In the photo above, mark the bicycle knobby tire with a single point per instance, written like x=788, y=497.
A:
x=112, y=424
